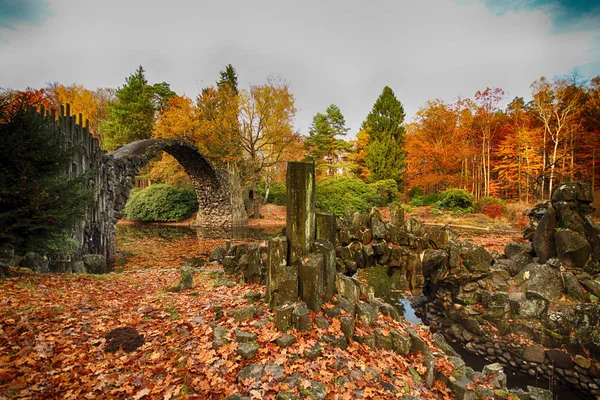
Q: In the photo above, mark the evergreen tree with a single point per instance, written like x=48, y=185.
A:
x=230, y=78
x=386, y=118
x=39, y=203
x=131, y=117
x=385, y=149
x=323, y=146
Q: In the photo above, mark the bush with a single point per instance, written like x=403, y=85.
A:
x=335, y=195
x=420, y=201
x=385, y=191
x=415, y=192
x=491, y=206
x=161, y=203
x=456, y=200
x=277, y=193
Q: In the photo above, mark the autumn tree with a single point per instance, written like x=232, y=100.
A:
x=556, y=104
x=591, y=140
x=430, y=139
x=131, y=117
x=266, y=124
x=358, y=157
x=322, y=143
x=486, y=121
x=384, y=125
x=519, y=160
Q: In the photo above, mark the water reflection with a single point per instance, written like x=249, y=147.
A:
x=237, y=232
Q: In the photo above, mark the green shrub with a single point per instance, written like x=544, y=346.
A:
x=420, y=201
x=335, y=195
x=385, y=191
x=437, y=212
x=277, y=193
x=491, y=206
x=415, y=192
x=455, y=200
x=161, y=203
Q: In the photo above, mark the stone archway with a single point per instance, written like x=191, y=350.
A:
x=219, y=196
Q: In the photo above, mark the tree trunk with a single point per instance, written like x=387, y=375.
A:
x=552, y=166
x=255, y=199
x=267, y=189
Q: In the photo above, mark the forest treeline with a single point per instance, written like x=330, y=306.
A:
x=520, y=151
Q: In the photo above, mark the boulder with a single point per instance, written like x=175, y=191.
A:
x=35, y=262
x=572, y=248
x=574, y=191
x=94, y=263
x=377, y=225
x=398, y=235
x=310, y=280
x=543, y=237
x=186, y=275
x=247, y=350
x=347, y=326
x=283, y=316
x=476, y=258
x=397, y=215
x=432, y=260
x=251, y=372
x=285, y=340
x=326, y=226
x=560, y=359
x=535, y=305
x=439, y=237
x=541, y=278
x=496, y=372
x=218, y=254
x=512, y=249
x=7, y=255
x=568, y=216
x=534, y=353
x=347, y=288
x=574, y=290
x=415, y=227
x=327, y=249
x=366, y=313
x=301, y=317
x=281, y=279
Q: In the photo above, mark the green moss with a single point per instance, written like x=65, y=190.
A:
x=556, y=335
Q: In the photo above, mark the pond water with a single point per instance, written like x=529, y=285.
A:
x=176, y=232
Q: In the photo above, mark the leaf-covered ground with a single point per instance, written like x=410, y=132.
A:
x=52, y=343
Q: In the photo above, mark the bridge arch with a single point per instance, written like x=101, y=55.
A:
x=218, y=193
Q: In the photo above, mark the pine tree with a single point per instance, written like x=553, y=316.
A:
x=39, y=203
x=323, y=146
x=230, y=78
x=385, y=149
x=132, y=116
x=386, y=118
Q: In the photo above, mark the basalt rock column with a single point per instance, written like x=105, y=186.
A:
x=300, y=228
x=282, y=279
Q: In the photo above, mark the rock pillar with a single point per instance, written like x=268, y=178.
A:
x=282, y=279
x=300, y=228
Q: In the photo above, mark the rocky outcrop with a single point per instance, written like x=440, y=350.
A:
x=537, y=300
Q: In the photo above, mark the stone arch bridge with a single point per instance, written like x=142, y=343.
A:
x=112, y=176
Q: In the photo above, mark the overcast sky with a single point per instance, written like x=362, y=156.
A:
x=342, y=52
